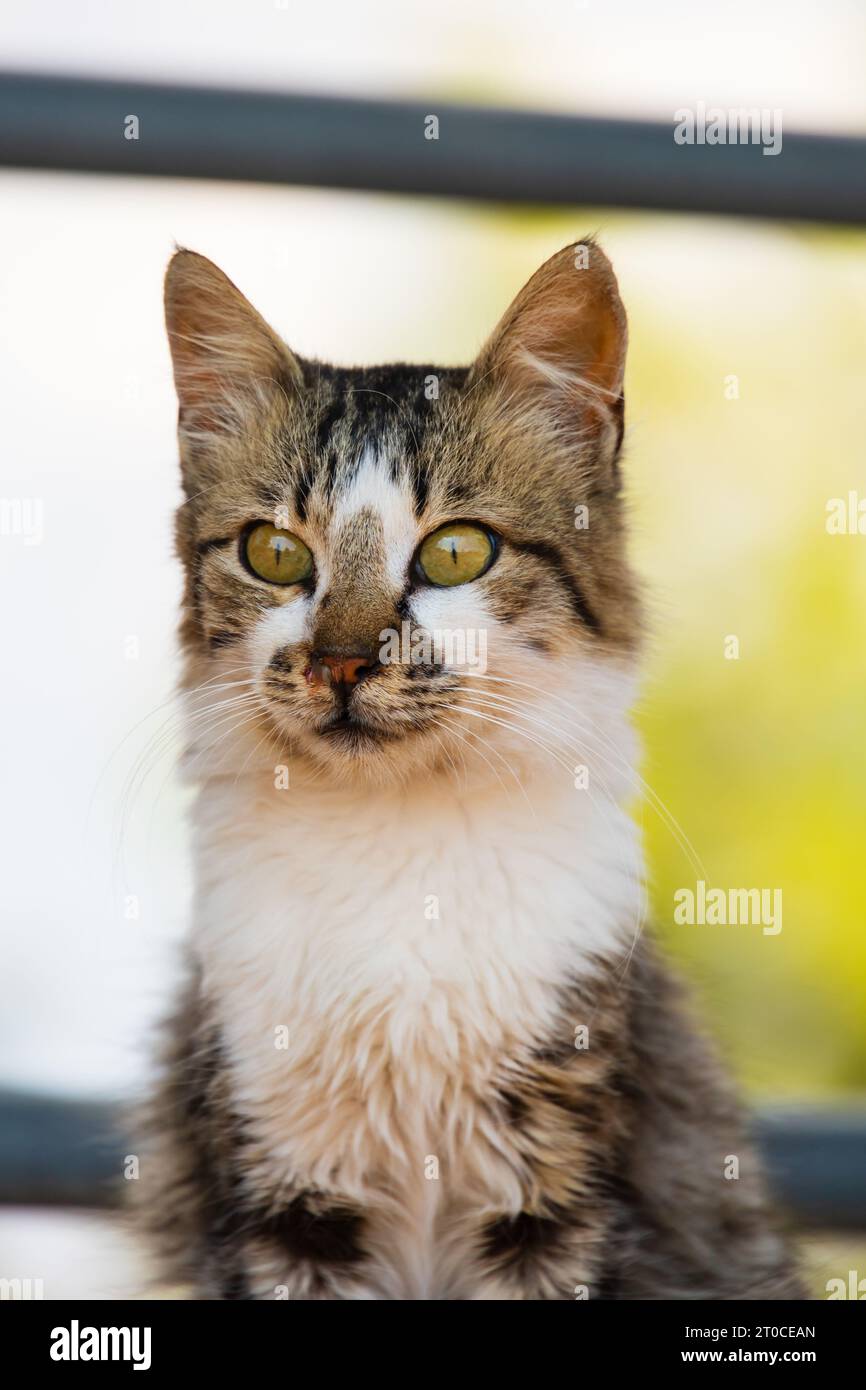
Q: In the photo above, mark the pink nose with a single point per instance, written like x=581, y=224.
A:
x=338, y=670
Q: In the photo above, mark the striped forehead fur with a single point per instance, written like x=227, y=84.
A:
x=317, y=455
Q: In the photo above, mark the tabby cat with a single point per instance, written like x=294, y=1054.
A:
x=425, y=1050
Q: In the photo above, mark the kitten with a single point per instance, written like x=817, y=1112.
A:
x=425, y=1051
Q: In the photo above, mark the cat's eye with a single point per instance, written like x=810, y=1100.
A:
x=456, y=554
x=277, y=556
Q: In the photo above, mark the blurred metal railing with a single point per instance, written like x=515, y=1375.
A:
x=64, y=1152
x=480, y=153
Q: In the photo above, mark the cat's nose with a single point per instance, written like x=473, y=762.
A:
x=341, y=669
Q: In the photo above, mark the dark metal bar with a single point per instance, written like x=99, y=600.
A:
x=481, y=153
x=816, y=1161
x=59, y=1152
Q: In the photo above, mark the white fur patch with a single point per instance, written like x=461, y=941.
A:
x=281, y=627
x=373, y=487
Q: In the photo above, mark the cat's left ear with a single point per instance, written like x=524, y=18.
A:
x=228, y=362
x=561, y=346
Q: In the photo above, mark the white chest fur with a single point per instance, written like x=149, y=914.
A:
x=374, y=959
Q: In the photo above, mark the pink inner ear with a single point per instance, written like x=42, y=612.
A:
x=569, y=319
x=579, y=339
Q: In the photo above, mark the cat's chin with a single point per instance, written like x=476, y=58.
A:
x=361, y=754
x=349, y=732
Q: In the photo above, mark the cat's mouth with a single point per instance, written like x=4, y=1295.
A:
x=348, y=727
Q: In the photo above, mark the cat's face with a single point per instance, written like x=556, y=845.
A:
x=401, y=568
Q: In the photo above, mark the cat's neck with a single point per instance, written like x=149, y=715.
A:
x=527, y=800
x=484, y=857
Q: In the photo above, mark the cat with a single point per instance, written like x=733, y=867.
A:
x=425, y=1049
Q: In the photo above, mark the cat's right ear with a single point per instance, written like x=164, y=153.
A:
x=228, y=363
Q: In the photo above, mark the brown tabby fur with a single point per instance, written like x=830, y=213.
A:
x=622, y=1146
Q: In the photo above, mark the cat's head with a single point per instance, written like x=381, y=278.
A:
x=401, y=568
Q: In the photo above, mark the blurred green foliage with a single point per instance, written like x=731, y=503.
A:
x=762, y=759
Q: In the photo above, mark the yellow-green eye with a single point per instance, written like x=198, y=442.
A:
x=456, y=553
x=277, y=556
